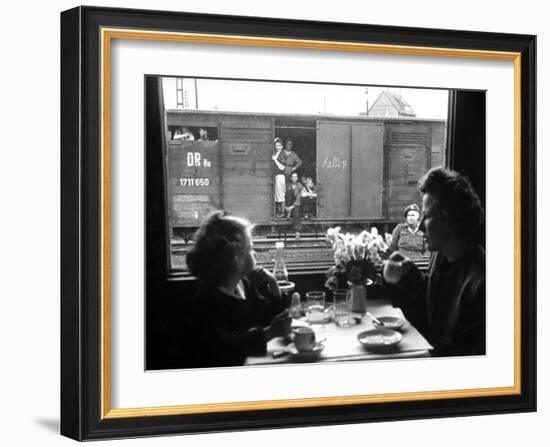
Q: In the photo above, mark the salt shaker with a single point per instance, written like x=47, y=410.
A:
x=295, y=305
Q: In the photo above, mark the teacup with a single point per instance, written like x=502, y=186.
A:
x=303, y=338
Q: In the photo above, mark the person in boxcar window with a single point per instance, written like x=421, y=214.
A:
x=203, y=134
x=407, y=237
x=448, y=303
x=237, y=307
x=183, y=133
x=294, y=202
x=279, y=160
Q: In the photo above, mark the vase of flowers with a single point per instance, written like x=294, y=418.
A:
x=357, y=258
x=358, y=298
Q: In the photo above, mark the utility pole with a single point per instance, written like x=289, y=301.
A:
x=179, y=94
x=196, y=95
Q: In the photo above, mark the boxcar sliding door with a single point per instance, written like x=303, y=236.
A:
x=350, y=170
x=246, y=149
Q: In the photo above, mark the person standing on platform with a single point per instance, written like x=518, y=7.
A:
x=407, y=237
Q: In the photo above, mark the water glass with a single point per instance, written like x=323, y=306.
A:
x=315, y=307
x=342, y=313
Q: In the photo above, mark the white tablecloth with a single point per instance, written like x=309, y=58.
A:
x=342, y=344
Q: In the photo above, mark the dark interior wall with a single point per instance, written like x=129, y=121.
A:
x=466, y=139
x=466, y=142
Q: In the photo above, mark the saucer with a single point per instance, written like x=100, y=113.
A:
x=380, y=339
x=394, y=323
x=315, y=351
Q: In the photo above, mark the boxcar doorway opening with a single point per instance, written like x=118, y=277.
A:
x=303, y=134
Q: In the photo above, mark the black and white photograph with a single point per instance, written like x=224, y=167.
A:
x=275, y=224
x=313, y=223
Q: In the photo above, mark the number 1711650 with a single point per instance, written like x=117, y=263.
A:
x=190, y=181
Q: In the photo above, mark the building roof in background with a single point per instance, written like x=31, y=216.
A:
x=399, y=103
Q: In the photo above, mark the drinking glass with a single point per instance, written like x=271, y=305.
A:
x=315, y=307
x=342, y=314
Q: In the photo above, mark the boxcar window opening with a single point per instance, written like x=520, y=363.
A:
x=193, y=132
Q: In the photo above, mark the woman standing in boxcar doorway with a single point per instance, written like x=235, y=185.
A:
x=279, y=159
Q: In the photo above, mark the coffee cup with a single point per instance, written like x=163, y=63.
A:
x=304, y=338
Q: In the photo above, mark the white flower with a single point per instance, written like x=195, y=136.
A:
x=348, y=247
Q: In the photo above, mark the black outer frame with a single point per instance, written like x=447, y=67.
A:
x=81, y=207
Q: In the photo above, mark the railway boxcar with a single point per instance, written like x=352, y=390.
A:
x=366, y=168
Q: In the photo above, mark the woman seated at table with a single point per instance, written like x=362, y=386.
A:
x=238, y=308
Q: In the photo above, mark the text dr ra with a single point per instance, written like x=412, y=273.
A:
x=195, y=159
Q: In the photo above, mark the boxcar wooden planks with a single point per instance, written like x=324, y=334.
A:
x=193, y=180
x=412, y=147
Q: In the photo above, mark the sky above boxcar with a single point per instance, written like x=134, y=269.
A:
x=296, y=98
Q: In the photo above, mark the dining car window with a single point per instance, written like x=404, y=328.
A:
x=295, y=169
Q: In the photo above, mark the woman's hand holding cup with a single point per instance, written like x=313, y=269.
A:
x=396, y=267
x=279, y=327
x=264, y=280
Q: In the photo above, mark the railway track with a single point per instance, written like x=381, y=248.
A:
x=307, y=255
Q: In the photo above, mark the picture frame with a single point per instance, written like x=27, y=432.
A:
x=87, y=34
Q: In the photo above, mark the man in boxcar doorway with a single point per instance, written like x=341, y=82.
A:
x=448, y=303
x=294, y=203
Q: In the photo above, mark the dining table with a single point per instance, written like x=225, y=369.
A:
x=343, y=344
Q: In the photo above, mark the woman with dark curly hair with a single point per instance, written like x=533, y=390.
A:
x=447, y=304
x=238, y=308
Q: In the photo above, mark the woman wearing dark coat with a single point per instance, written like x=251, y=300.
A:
x=448, y=303
x=238, y=308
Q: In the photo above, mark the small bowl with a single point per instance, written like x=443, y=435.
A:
x=380, y=339
x=394, y=323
